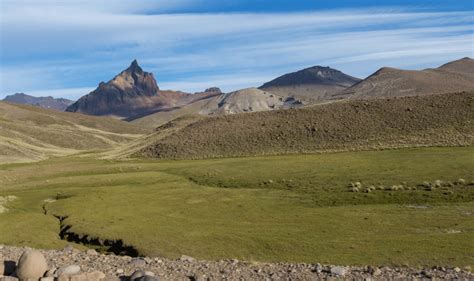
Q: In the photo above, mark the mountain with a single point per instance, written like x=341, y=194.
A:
x=452, y=77
x=430, y=120
x=30, y=133
x=44, y=102
x=312, y=84
x=131, y=93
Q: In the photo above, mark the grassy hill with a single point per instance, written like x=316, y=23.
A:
x=31, y=133
x=434, y=120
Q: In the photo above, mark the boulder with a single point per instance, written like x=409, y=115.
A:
x=32, y=265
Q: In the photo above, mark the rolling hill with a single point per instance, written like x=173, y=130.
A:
x=452, y=77
x=30, y=133
x=314, y=84
x=241, y=101
x=431, y=120
x=45, y=102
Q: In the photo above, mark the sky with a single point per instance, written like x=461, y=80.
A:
x=66, y=48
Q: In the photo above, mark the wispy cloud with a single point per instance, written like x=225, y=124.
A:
x=54, y=45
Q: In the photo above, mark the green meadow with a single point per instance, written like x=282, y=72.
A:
x=411, y=207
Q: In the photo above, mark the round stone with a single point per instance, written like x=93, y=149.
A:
x=32, y=265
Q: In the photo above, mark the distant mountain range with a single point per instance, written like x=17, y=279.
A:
x=44, y=102
x=134, y=95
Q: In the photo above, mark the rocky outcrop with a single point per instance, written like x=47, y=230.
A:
x=133, y=92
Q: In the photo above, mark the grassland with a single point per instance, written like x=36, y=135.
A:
x=30, y=133
x=275, y=208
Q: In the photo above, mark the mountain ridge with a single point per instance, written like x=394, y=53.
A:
x=48, y=102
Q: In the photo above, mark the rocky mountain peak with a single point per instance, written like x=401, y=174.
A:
x=134, y=68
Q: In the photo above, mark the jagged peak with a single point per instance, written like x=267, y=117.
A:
x=134, y=67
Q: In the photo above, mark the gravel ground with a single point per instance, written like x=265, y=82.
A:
x=187, y=268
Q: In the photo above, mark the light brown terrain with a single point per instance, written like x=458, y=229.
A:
x=31, y=133
x=387, y=82
x=432, y=120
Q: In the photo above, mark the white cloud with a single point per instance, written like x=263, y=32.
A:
x=54, y=45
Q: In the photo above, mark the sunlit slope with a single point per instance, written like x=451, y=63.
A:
x=433, y=120
x=30, y=133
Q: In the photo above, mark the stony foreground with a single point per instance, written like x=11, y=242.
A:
x=72, y=264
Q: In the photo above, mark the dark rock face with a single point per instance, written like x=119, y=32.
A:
x=213, y=90
x=316, y=75
x=132, y=92
x=44, y=102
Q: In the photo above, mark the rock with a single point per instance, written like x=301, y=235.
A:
x=139, y=274
x=375, y=271
x=187, y=258
x=147, y=260
x=78, y=277
x=338, y=270
x=68, y=270
x=457, y=269
x=95, y=276
x=119, y=271
x=318, y=268
x=50, y=272
x=49, y=278
x=8, y=278
x=138, y=262
x=32, y=265
x=148, y=278
x=68, y=249
x=92, y=252
x=63, y=278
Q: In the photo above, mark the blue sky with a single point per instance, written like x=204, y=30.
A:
x=65, y=48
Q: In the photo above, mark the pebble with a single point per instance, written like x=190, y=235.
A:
x=92, y=252
x=187, y=258
x=339, y=270
x=69, y=270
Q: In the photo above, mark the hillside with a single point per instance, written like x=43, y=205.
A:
x=31, y=133
x=452, y=77
x=312, y=84
x=241, y=101
x=45, y=102
x=347, y=125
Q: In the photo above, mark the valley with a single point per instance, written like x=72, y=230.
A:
x=274, y=208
